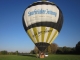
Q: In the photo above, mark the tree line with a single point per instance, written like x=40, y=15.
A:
x=54, y=49
x=4, y=52
x=51, y=49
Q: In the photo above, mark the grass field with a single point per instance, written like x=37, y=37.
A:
x=33, y=57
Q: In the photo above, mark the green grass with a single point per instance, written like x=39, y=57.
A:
x=32, y=57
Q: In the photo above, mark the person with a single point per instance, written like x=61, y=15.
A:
x=37, y=55
x=42, y=55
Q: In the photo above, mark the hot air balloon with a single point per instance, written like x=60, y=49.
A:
x=42, y=21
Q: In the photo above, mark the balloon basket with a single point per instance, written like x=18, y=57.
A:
x=41, y=55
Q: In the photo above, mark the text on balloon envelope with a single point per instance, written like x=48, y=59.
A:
x=41, y=11
x=41, y=32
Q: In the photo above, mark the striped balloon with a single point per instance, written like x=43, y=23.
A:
x=42, y=21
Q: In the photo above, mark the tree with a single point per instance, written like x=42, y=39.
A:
x=0, y=52
x=36, y=50
x=59, y=50
x=78, y=48
x=16, y=52
x=54, y=47
x=64, y=49
x=4, y=52
x=32, y=52
x=49, y=49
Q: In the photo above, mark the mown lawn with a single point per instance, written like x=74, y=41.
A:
x=33, y=57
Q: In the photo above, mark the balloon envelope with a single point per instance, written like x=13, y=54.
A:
x=42, y=21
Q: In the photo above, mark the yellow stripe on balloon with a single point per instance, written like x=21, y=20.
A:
x=36, y=33
x=49, y=33
x=31, y=36
x=54, y=36
x=42, y=33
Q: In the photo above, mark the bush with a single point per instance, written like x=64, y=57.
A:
x=3, y=52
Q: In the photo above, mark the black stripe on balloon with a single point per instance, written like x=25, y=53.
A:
x=24, y=25
x=46, y=24
x=42, y=46
x=41, y=3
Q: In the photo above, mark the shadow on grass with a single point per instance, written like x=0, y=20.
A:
x=30, y=55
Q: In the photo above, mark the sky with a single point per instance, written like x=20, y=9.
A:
x=13, y=36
